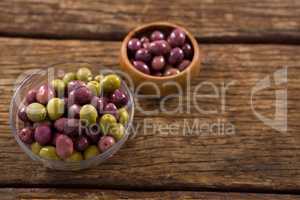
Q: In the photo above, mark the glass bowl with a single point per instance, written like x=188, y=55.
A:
x=38, y=77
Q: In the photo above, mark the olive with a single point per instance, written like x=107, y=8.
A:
x=177, y=38
x=158, y=63
x=71, y=99
x=157, y=35
x=76, y=156
x=176, y=56
x=98, y=78
x=48, y=152
x=42, y=134
x=183, y=65
x=94, y=134
x=82, y=95
x=81, y=143
x=73, y=111
x=26, y=135
x=159, y=47
x=105, y=143
x=59, y=86
x=171, y=71
x=72, y=127
x=84, y=74
x=187, y=50
x=110, y=108
x=89, y=114
x=45, y=122
x=119, y=98
x=141, y=66
x=110, y=83
x=134, y=44
x=99, y=103
x=94, y=86
x=68, y=77
x=106, y=121
x=31, y=96
x=64, y=146
x=146, y=45
x=35, y=148
x=144, y=39
x=36, y=112
x=55, y=108
x=143, y=55
x=117, y=131
x=22, y=114
x=54, y=138
x=72, y=85
x=44, y=94
x=60, y=124
x=90, y=152
x=123, y=116
x=157, y=74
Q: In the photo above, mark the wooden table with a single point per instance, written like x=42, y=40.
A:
x=243, y=41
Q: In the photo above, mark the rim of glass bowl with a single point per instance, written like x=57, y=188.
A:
x=84, y=163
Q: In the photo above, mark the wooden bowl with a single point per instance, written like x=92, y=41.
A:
x=160, y=85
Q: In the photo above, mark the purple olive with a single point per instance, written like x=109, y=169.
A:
x=157, y=35
x=102, y=102
x=44, y=94
x=158, y=63
x=94, y=134
x=60, y=124
x=82, y=95
x=159, y=47
x=187, y=50
x=73, y=111
x=183, y=65
x=72, y=85
x=64, y=146
x=71, y=127
x=31, y=96
x=119, y=98
x=177, y=38
x=134, y=44
x=105, y=143
x=81, y=143
x=110, y=108
x=141, y=66
x=146, y=45
x=42, y=134
x=22, y=114
x=171, y=72
x=176, y=56
x=45, y=123
x=55, y=138
x=143, y=55
x=144, y=39
x=26, y=135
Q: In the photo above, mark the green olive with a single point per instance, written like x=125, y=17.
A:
x=110, y=83
x=49, y=152
x=91, y=151
x=94, y=86
x=117, y=131
x=123, y=116
x=88, y=113
x=36, y=112
x=55, y=108
x=70, y=76
x=59, y=86
x=106, y=121
x=76, y=156
x=84, y=74
x=98, y=78
x=35, y=148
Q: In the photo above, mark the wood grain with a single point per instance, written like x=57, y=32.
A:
x=80, y=194
x=103, y=19
x=256, y=157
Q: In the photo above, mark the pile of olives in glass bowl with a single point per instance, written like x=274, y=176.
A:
x=70, y=118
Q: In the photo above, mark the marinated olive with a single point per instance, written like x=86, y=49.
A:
x=44, y=94
x=73, y=111
x=70, y=76
x=90, y=152
x=59, y=86
x=72, y=85
x=36, y=112
x=35, y=148
x=94, y=86
x=123, y=116
x=76, y=156
x=84, y=74
x=117, y=131
x=187, y=50
x=106, y=121
x=89, y=114
x=134, y=44
x=176, y=56
x=55, y=108
x=141, y=66
x=110, y=83
x=22, y=114
x=177, y=38
x=64, y=146
x=143, y=55
x=26, y=135
x=157, y=35
x=159, y=47
x=60, y=124
x=119, y=98
x=54, y=138
x=42, y=134
x=49, y=152
x=110, y=108
x=81, y=143
x=158, y=63
x=105, y=143
x=82, y=95
x=144, y=39
x=31, y=96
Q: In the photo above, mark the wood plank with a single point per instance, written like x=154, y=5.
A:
x=103, y=19
x=88, y=194
x=255, y=157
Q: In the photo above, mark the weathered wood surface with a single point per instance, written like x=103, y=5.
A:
x=256, y=157
x=80, y=194
x=103, y=19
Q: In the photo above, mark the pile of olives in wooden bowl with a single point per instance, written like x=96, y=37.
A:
x=70, y=117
